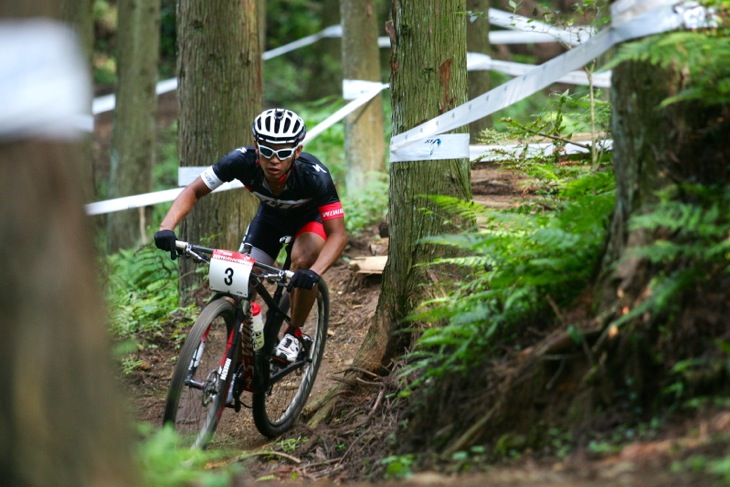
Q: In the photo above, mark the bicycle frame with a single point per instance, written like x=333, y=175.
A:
x=251, y=370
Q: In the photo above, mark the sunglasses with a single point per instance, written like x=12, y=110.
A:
x=282, y=154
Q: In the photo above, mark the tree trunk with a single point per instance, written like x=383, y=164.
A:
x=477, y=41
x=428, y=78
x=62, y=418
x=653, y=148
x=133, y=135
x=324, y=66
x=261, y=6
x=219, y=96
x=364, y=129
x=79, y=14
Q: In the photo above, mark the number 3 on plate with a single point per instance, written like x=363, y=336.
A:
x=224, y=266
x=229, y=276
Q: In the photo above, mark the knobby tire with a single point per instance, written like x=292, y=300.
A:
x=277, y=408
x=195, y=412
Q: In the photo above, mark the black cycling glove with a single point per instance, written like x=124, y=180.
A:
x=305, y=279
x=165, y=240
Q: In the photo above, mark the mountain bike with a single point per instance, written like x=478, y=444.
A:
x=219, y=362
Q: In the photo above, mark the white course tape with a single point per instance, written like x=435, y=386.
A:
x=476, y=61
x=444, y=146
x=526, y=31
x=331, y=31
x=344, y=111
x=146, y=199
x=503, y=37
x=570, y=36
x=355, y=88
x=494, y=153
x=625, y=10
x=44, y=86
x=662, y=19
x=187, y=174
x=107, y=103
x=668, y=17
x=528, y=35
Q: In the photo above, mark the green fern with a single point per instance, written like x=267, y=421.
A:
x=690, y=225
x=704, y=56
x=141, y=291
x=515, y=261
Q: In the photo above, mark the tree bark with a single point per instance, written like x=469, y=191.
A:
x=653, y=148
x=364, y=129
x=133, y=135
x=79, y=14
x=428, y=78
x=477, y=41
x=61, y=414
x=325, y=67
x=219, y=95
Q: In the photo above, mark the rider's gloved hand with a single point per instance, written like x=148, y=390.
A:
x=305, y=279
x=165, y=240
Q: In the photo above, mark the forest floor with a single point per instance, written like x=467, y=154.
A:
x=335, y=454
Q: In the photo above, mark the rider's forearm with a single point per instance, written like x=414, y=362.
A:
x=180, y=207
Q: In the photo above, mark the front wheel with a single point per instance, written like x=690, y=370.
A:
x=198, y=390
x=277, y=408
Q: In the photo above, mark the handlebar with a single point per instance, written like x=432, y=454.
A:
x=194, y=251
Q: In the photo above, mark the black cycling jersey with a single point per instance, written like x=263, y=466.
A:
x=309, y=185
x=309, y=196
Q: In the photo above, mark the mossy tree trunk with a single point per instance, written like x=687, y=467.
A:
x=219, y=95
x=428, y=78
x=655, y=149
x=477, y=41
x=133, y=135
x=364, y=129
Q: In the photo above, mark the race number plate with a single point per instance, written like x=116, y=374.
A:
x=229, y=272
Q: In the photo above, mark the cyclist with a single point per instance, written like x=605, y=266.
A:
x=297, y=197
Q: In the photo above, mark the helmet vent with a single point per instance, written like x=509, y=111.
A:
x=279, y=126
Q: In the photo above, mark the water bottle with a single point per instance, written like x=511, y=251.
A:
x=257, y=327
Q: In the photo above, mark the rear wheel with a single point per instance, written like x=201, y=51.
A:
x=197, y=395
x=277, y=408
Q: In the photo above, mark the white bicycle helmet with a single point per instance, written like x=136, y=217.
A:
x=278, y=126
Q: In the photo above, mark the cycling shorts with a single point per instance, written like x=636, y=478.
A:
x=267, y=228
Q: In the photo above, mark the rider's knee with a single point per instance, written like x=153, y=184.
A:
x=302, y=261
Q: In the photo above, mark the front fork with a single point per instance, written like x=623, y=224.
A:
x=234, y=360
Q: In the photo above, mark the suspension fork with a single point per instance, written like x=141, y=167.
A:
x=232, y=356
